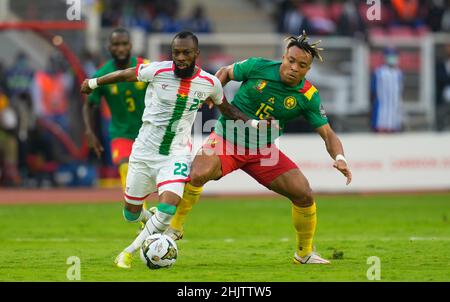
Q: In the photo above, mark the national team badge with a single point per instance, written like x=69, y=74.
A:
x=290, y=102
x=260, y=85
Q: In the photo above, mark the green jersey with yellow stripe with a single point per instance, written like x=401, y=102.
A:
x=125, y=101
x=262, y=94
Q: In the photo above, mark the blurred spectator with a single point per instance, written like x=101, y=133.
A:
x=445, y=23
x=198, y=22
x=3, y=85
x=166, y=19
x=137, y=15
x=435, y=13
x=350, y=22
x=89, y=62
x=19, y=76
x=387, y=90
x=319, y=17
x=406, y=13
x=50, y=90
x=289, y=18
x=443, y=91
x=8, y=143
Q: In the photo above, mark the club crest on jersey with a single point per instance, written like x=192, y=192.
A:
x=139, y=85
x=200, y=95
x=290, y=102
x=260, y=85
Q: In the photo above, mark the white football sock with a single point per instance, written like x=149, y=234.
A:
x=157, y=223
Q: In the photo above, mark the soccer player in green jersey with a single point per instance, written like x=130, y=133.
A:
x=269, y=90
x=125, y=100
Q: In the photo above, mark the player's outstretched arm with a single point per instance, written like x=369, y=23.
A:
x=93, y=141
x=125, y=75
x=225, y=74
x=335, y=149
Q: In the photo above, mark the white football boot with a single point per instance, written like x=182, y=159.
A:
x=312, y=258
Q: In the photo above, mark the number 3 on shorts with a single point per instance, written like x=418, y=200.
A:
x=180, y=169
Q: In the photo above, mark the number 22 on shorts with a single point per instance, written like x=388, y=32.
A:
x=180, y=169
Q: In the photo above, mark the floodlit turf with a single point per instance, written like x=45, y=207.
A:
x=236, y=240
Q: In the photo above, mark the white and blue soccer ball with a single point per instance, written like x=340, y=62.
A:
x=158, y=251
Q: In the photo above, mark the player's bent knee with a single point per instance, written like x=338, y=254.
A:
x=304, y=198
x=198, y=177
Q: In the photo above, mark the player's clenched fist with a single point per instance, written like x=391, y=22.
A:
x=85, y=87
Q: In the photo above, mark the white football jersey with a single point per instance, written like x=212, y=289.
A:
x=171, y=104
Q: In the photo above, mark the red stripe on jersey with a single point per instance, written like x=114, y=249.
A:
x=135, y=198
x=164, y=70
x=140, y=60
x=306, y=87
x=208, y=79
x=172, y=181
x=185, y=86
x=137, y=69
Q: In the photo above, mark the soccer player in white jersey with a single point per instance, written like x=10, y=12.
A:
x=161, y=156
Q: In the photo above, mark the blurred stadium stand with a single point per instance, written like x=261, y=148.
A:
x=229, y=31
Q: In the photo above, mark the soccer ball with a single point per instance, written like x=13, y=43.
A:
x=158, y=251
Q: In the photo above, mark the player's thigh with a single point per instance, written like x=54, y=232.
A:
x=140, y=183
x=173, y=173
x=205, y=167
x=293, y=185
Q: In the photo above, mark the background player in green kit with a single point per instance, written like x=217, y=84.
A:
x=125, y=100
x=269, y=90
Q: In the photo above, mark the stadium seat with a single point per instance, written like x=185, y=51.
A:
x=376, y=31
x=401, y=31
x=335, y=11
x=319, y=17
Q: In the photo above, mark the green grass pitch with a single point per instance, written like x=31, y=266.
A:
x=246, y=239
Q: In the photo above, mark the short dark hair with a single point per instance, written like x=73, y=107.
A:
x=120, y=31
x=301, y=42
x=186, y=34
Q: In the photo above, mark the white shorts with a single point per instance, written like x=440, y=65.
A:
x=155, y=173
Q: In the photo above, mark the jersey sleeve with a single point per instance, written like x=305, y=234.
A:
x=146, y=72
x=242, y=69
x=217, y=93
x=315, y=113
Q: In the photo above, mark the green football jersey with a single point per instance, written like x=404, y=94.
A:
x=262, y=94
x=125, y=100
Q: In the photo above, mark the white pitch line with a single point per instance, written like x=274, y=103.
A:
x=231, y=240
x=59, y=239
x=429, y=238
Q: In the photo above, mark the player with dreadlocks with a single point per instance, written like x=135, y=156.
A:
x=277, y=92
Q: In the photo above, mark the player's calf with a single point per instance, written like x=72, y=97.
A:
x=132, y=215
